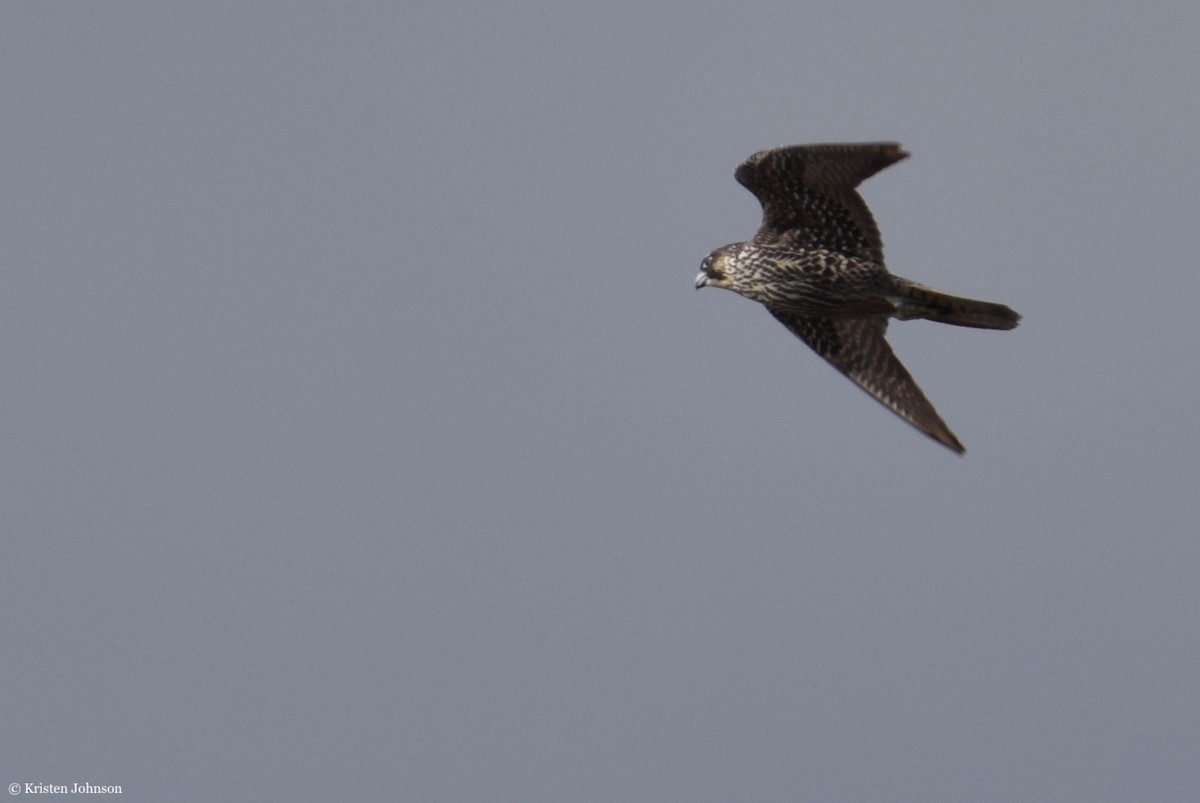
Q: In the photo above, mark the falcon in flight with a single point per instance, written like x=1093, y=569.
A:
x=816, y=264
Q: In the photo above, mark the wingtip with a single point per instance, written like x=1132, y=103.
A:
x=894, y=152
x=947, y=439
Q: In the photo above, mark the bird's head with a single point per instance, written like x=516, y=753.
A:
x=716, y=268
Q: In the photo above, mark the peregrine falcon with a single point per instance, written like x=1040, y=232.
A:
x=816, y=264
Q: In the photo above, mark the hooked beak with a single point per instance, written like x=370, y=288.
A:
x=701, y=279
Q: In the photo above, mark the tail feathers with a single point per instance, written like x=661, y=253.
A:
x=919, y=301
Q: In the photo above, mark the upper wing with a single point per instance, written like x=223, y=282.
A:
x=857, y=348
x=808, y=195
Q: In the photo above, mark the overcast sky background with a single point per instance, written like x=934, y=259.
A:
x=363, y=437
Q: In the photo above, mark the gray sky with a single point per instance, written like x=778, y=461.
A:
x=362, y=435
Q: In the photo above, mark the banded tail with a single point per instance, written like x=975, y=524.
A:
x=918, y=301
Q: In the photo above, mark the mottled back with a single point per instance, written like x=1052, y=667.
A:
x=808, y=196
